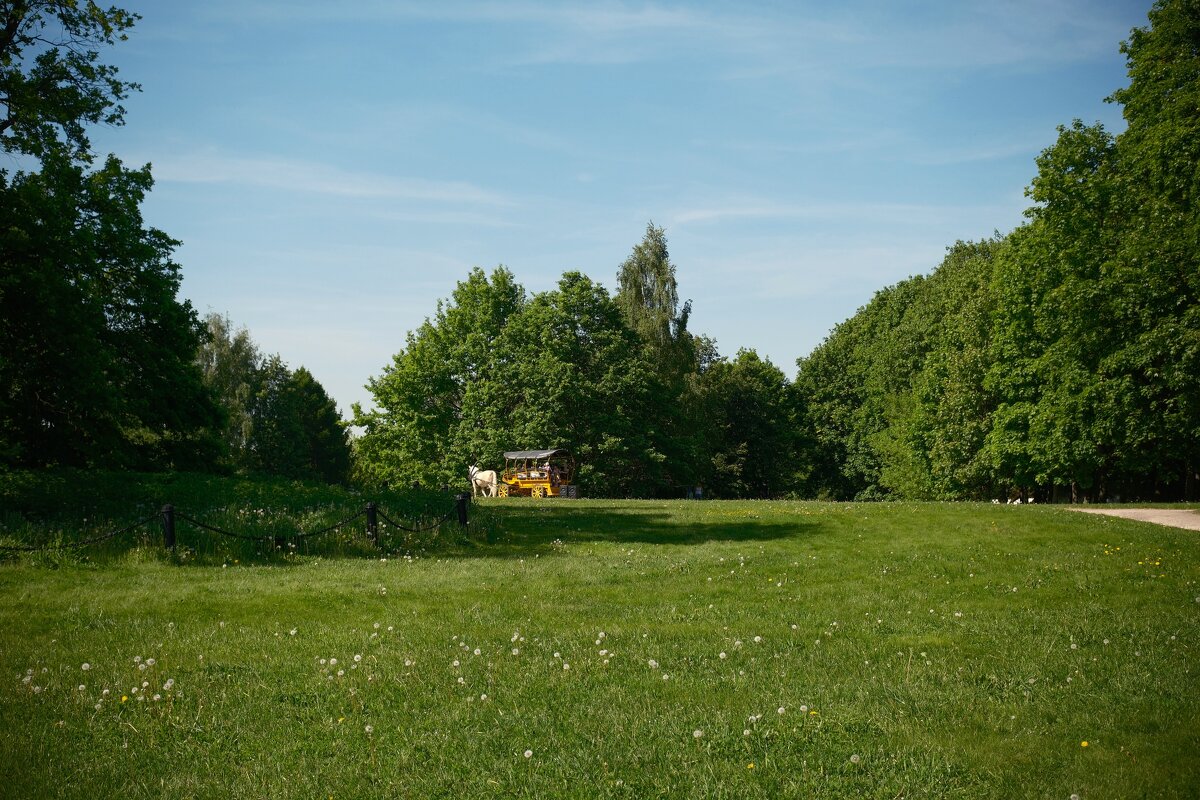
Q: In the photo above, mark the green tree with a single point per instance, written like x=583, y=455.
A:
x=568, y=373
x=751, y=449
x=229, y=361
x=416, y=430
x=96, y=352
x=648, y=297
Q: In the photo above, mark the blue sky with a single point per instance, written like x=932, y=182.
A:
x=333, y=169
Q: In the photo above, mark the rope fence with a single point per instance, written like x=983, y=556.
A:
x=169, y=515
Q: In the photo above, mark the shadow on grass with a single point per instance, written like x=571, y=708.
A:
x=526, y=530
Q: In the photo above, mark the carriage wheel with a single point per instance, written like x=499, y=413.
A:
x=538, y=491
x=502, y=490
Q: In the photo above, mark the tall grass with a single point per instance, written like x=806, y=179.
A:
x=626, y=649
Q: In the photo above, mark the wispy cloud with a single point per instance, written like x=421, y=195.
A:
x=316, y=178
x=873, y=213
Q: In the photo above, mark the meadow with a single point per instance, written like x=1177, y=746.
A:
x=620, y=649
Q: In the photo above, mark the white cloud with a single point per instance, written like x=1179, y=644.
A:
x=316, y=178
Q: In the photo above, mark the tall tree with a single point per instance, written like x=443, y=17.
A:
x=96, y=352
x=230, y=361
x=415, y=432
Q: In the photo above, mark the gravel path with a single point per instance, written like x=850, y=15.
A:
x=1174, y=517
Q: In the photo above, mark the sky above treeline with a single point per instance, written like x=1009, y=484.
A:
x=333, y=169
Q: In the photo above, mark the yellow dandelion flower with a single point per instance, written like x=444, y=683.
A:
x=750, y=765
x=1083, y=744
x=124, y=698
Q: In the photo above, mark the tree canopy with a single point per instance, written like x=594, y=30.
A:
x=96, y=351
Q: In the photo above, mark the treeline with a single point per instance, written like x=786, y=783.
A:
x=1062, y=360
x=101, y=366
x=646, y=407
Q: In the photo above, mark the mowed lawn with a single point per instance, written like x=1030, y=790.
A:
x=627, y=649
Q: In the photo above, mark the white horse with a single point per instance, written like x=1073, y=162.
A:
x=482, y=481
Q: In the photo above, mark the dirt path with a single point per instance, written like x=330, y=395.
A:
x=1174, y=517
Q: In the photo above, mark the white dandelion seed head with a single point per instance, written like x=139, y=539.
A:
x=454, y=663
x=722, y=655
x=477, y=651
x=341, y=672
x=86, y=666
x=803, y=709
x=653, y=664
x=781, y=710
x=758, y=639
x=529, y=754
x=82, y=688
x=854, y=759
x=357, y=657
x=369, y=728
x=566, y=666
x=333, y=662
x=516, y=651
x=698, y=734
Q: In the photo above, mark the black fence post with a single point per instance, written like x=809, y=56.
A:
x=463, y=500
x=373, y=523
x=168, y=515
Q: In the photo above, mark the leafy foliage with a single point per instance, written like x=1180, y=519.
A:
x=95, y=350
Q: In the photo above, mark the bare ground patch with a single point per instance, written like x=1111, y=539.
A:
x=1173, y=517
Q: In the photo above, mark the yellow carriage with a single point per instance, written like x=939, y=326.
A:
x=538, y=473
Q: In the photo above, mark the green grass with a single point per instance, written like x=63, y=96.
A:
x=907, y=650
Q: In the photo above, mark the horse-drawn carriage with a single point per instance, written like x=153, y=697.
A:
x=538, y=473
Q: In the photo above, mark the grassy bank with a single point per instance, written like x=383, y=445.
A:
x=627, y=649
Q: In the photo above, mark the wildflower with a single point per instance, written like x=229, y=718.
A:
x=1083, y=744
x=750, y=765
x=124, y=698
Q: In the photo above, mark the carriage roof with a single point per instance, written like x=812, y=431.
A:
x=517, y=455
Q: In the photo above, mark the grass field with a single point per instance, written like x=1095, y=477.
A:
x=625, y=649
